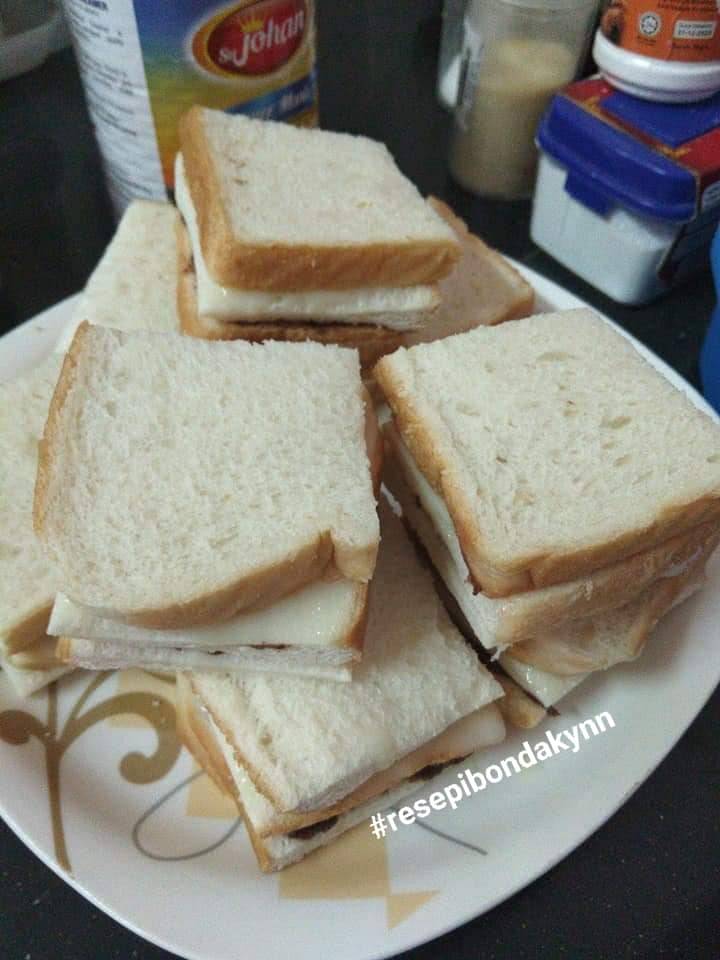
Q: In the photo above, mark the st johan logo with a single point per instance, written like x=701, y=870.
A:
x=251, y=40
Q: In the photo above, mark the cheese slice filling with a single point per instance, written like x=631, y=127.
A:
x=318, y=615
x=411, y=304
x=548, y=688
x=433, y=524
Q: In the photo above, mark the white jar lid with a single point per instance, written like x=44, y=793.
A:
x=668, y=81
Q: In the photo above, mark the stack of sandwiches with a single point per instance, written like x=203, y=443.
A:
x=132, y=287
x=136, y=286
x=155, y=269
x=211, y=508
x=566, y=493
x=296, y=234
x=209, y=505
x=307, y=759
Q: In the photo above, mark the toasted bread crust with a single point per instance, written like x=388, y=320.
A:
x=48, y=439
x=530, y=571
x=282, y=267
x=371, y=342
x=208, y=756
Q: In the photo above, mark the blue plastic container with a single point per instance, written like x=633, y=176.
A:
x=710, y=354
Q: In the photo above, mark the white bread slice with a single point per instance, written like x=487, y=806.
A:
x=401, y=308
x=27, y=580
x=331, y=663
x=213, y=754
x=482, y=290
x=283, y=208
x=133, y=285
x=482, y=728
x=521, y=426
x=307, y=744
x=499, y=622
x=180, y=481
x=371, y=341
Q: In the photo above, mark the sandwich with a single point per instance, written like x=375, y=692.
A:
x=567, y=494
x=363, y=263
x=305, y=759
x=209, y=505
x=27, y=579
x=267, y=253
x=134, y=284
x=132, y=287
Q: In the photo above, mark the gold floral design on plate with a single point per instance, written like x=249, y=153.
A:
x=18, y=726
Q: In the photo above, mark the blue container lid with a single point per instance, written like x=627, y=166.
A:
x=608, y=166
x=672, y=124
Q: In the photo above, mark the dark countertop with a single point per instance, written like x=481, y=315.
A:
x=647, y=884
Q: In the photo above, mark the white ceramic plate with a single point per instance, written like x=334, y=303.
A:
x=93, y=781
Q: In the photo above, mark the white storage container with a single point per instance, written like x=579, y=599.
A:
x=628, y=191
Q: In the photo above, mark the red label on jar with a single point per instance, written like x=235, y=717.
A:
x=251, y=40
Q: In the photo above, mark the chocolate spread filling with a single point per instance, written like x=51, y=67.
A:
x=307, y=833
x=433, y=769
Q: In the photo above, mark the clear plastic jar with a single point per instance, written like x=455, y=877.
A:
x=450, y=49
x=516, y=55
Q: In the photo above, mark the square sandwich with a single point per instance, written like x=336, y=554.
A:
x=209, y=504
x=567, y=494
x=292, y=233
